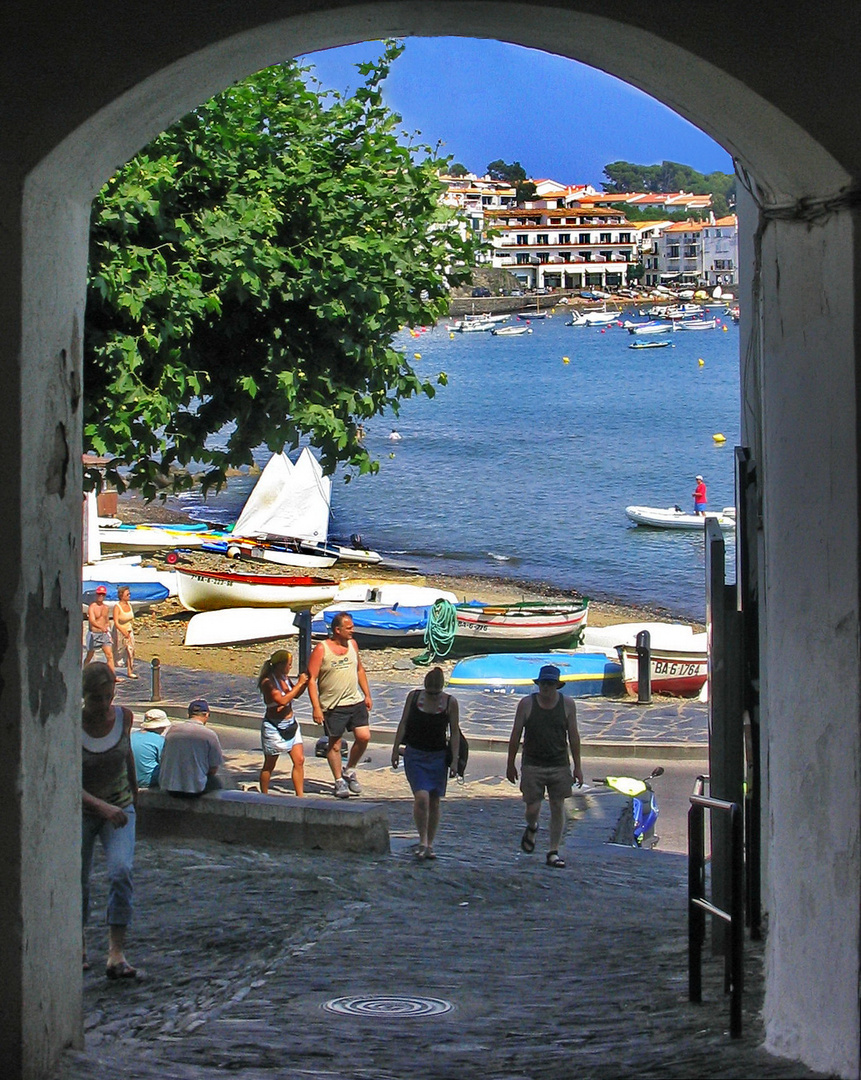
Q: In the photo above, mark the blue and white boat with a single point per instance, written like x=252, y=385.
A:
x=583, y=674
x=376, y=626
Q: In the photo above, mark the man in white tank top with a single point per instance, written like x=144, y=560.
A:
x=341, y=701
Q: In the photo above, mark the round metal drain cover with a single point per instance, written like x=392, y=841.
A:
x=396, y=1008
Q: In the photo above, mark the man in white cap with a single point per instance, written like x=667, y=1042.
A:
x=700, y=496
x=547, y=721
x=98, y=632
x=147, y=746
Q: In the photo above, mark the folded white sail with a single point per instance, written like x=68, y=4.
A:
x=290, y=501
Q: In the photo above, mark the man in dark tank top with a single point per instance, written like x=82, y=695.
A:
x=547, y=724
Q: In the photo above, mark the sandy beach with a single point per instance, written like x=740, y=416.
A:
x=160, y=632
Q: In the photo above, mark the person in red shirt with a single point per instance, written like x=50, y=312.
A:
x=700, y=497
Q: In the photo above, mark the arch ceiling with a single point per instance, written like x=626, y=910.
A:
x=151, y=76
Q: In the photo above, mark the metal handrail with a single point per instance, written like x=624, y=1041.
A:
x=699, y=906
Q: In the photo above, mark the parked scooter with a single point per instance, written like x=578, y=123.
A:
x=636, y=824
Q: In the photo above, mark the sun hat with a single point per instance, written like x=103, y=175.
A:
x=549, y=673
x=198, y=706
x=155, y=720
x=101, y=589
x=280, y=656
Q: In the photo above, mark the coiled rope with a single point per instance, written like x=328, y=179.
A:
x=439, y=633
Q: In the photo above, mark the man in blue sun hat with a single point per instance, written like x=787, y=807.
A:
x=547, y=722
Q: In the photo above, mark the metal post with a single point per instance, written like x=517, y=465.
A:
x=644, y=668
x=303, y=621
x=696, y=917
x=156, y=680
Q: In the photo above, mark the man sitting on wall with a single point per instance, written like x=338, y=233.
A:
x=192, y=755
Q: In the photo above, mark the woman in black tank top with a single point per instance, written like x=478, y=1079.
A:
x=429, y=718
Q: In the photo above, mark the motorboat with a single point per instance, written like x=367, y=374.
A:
x=697, y=324
x=650, y=344
x=511, y=331
x=673, y=517
x=653, y=326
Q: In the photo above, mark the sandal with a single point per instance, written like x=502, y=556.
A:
x=554, y=860
x=527, y=841
x=122, y=970
x=429, y=852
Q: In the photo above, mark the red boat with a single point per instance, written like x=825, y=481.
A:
x=682, y=674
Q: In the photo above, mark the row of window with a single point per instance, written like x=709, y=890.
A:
x=565, y=238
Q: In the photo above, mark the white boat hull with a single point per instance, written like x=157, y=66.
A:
x=236, y=626
x=201, y=591
x=262, y=551
x=670, y=518
x=148, y=539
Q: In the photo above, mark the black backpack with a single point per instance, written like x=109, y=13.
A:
x=462, y=755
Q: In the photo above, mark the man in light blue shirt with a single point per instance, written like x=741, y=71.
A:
x=147, y=746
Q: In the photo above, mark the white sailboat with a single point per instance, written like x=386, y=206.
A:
x=285, y=519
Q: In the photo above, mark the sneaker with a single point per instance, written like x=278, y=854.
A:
x=341, y=790
x=353, y=782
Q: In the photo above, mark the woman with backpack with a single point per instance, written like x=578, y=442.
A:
x=430, y=732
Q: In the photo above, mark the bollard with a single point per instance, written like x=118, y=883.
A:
x=644, y=668
x=155, y=695
x=303, y=621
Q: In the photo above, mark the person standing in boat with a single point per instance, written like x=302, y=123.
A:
x=124, y=629
x=547, y=721
x=341, y=700
x=429, y=718
x=700, y=496
x=280, y=732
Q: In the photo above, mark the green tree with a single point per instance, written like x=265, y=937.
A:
x=457, y=169
x=511, y=172
x=669, y=176
x=248, y=272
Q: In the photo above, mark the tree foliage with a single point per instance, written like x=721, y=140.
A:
x=511, y=172
x=669, y=176
x=248, y=272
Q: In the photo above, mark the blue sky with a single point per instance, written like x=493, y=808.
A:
x=561, y=120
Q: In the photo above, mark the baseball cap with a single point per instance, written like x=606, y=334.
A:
x=198, y=706
x=101, y=591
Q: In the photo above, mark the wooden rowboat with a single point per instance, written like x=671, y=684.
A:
x=524, y=627
x=682, y=673
x=203, y=590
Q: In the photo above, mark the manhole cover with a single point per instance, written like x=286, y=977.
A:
x=386, y=1006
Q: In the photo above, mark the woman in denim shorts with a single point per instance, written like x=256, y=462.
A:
x=280, y=732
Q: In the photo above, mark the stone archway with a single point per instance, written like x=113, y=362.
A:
x=81, y=97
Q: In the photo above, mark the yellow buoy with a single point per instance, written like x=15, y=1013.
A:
x=451, y=337
x=417, y=355
x=718, y=438
x=565, y=360
x=701, y=362
x=725, y=328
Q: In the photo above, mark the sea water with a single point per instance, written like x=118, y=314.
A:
x=522, y=466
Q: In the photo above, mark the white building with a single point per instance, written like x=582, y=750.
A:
x=581, y=246
x=720, y=252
